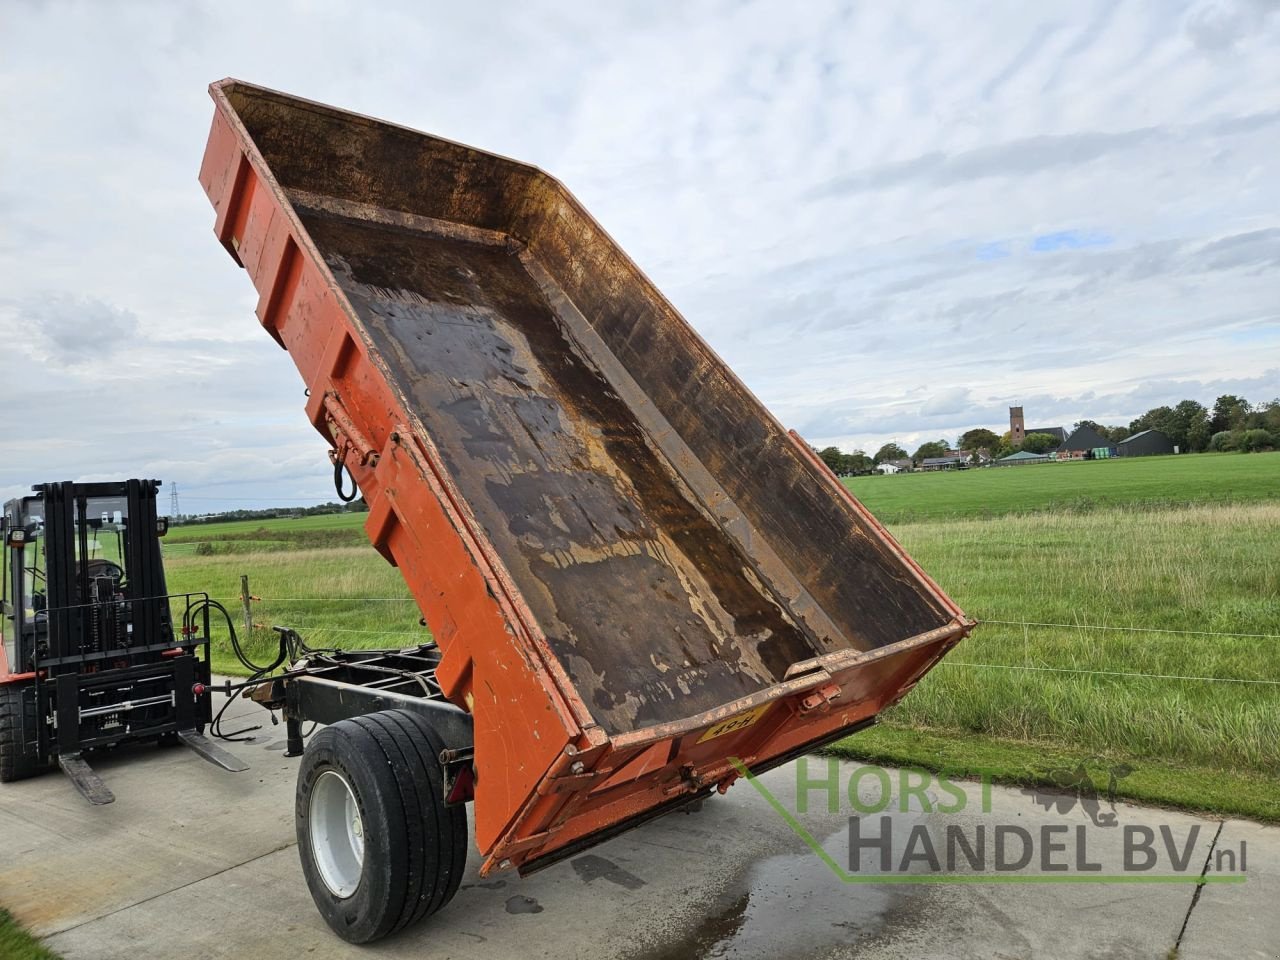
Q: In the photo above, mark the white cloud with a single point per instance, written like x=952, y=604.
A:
x=892, y=220
x=63, y=330
x=950, y=401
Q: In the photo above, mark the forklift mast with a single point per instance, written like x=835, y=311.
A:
x=85, y=578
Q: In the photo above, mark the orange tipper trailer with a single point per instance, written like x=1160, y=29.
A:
x=633, y=574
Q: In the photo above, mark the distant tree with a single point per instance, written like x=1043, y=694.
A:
x=1091, y=424
x=1257, y=440
x=1200, y=432
x=833, y=458
x=933, y=448
x=1225, y=440
x=1154, y=419
x=1229, y=413
x=1265, y=416
x=979, y=439
x=890, y=451
x=1004, y=446
x=856, y=463
x=286, y=513
x=1185, y=417
x=1039, y=442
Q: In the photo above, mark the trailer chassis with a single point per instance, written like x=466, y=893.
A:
x=331, y=686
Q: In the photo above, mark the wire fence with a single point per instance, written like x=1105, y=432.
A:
x=1105, y=627
x=1026, y=625
x=1083, y=504
x=1108, y=673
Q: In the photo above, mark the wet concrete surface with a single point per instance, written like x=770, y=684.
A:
x=197, y=863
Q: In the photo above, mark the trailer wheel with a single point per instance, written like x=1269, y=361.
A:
x=18, y=722
x=379, y=848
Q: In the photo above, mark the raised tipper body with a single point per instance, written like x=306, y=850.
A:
x=634, y=573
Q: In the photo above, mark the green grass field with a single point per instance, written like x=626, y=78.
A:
x=1208, y=568
x=17, y=944
x=1082, y=485
x=1198, y=729
x=318, y=575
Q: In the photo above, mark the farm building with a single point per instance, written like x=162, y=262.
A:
x=1085, y=443
x=1145, y=444
x=1018, y=431
x=1084, y=438
x=1021, y=457
x=902, y=465
x=952, y=461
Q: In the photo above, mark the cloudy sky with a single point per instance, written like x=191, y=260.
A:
x=893, y=220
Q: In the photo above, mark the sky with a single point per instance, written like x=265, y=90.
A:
x=893, y=221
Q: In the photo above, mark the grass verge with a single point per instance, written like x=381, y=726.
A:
x=1196, y=789
x=17, y=944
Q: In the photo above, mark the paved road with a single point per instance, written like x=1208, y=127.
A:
x=193, y=862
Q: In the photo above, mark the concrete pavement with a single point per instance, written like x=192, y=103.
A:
x=193, y=862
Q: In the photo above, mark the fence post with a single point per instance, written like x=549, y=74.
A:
x=248, y=610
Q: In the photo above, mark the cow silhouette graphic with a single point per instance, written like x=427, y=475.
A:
x=1067, y=787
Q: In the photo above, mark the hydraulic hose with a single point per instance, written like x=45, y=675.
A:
x=258, y=673
x=338, y=467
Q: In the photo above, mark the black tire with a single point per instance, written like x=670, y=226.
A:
x=19, y=756
x=414, y=847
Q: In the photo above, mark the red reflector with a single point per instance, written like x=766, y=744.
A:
x=198, y=689
x=464, y=788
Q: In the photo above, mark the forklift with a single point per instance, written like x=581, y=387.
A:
x=95, y=653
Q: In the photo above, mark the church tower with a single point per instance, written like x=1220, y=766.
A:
x=1017, y=427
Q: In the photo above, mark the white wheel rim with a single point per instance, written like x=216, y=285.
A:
x=336, y=833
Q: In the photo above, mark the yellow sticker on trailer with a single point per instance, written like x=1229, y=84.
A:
x=735, y=723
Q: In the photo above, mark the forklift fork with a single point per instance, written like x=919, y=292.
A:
x=93, y=789
x=85, y=779
x=206, y=748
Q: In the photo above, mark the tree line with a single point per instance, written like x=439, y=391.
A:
x=277, y=513
x=1232, y=423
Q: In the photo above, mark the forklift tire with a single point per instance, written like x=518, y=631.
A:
x=379, y=848
x=17, y=714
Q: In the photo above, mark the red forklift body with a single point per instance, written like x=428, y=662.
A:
x=634, y=573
